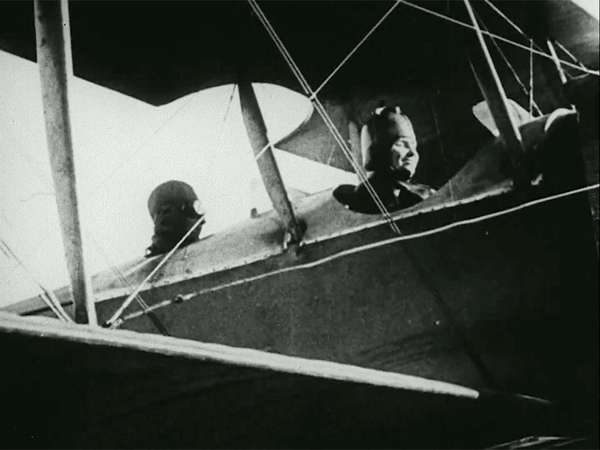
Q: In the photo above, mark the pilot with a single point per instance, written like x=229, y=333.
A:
x=389, y=147
x=175, y=209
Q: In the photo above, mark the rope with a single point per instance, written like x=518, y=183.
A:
x=496, y=36
x=367, y=247
x=356, y=47
x=47, y=295
x=323, y=113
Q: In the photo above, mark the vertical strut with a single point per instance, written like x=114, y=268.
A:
x=269, y=171
x=54, y=60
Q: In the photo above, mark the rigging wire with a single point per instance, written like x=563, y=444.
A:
x=46, y=295
x=510, y=22
x=141, y=302
x=356, y=47
x=532, y=43
x=520, y=31
x=422, y=272
x=513, y=71
x=336, y=135
x=262, y=151
x=497, y=36
x=163, y=261
x=96, y=190
x=135, y=294
x=532, y=102
x=367, y=247
x=432, y=102
x=568, y=53
x=323, y=113
x=469, y=350
x=229, y=103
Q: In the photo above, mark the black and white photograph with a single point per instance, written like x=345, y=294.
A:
x=299, y=224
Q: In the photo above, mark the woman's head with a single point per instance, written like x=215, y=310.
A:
x=386, y=129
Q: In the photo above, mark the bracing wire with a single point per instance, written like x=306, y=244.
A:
x=143, y=305
x=532, y=43
x=532, y=103
x=114, y=320
x=141, y=285
x=135, y=293
x=513, y=71
x=500, y=38
x=323, y=113
x=46, y=294
x=510, y=22
x=373, y=194
x=143, y=144
x=356, y=47
x=568, y=53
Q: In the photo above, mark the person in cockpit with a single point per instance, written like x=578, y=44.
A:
x=389, y=149
x=175, y=209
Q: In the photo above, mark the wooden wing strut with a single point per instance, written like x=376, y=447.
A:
x=54, y=61
x=269, y=171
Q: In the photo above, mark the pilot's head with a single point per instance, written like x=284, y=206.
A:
x=386, y=139
x=174, y=208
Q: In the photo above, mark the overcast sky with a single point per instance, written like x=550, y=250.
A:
x=124, y=148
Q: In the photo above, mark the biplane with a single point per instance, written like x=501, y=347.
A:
x=466, y=320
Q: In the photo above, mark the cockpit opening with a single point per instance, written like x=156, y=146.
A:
x=390, y=158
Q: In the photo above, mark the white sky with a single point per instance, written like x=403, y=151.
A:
x=123, y=149
x=591, y=6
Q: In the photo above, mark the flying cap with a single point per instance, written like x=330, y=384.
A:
x=176, y=192
x=385, y=126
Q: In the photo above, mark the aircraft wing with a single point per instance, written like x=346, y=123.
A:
x=71, y=385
